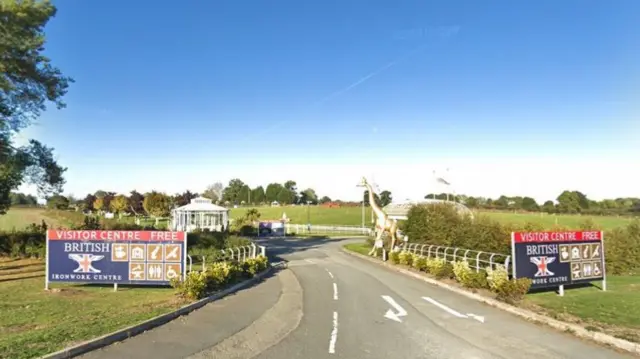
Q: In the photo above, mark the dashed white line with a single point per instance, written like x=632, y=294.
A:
x=335, y=291
x=334, y=334
x=444, y=307
x=330, y=274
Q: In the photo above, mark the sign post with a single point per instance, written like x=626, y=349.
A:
x=556, y=259
x=115, y=257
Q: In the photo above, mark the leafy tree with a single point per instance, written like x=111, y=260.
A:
x=157, y=205
x=549, y=207
x=135, y=202
x=108, y=197
x=529, y=204
x=385, y=198
x=99, y=204
x=325, y=199
x=257, y=195
x=27, y=81
x=88, y=202
x=568, y=202
x=308, y=195
x=214, y=192
x=366, y=198
x=244, y=194
x=273, y=189
x=119, y=204
x=58, y=202
x=21, y=199
x=232, y=192
x=100, y=193
x=285, y=196
x=184, y=198
x=292, y=187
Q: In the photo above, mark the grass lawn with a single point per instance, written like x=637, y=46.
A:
x=616, y=311
x=35, y=322
x=18, y=218
x=353, y=216
x=362, y=248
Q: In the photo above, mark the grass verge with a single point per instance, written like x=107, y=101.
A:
x=615, y=312
x=35, y=322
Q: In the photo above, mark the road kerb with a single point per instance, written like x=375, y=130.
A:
x=524, y=313
x=134, y=330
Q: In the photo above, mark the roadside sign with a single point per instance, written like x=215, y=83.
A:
x=115, y=257
x=272, y=228
x=556, y=259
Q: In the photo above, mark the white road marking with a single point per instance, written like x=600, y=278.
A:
x=476, y=317
x=334, y=334
x=330, y=274
x=310, y=261
x=335, y=291
x=390, y=314
x=444, y=307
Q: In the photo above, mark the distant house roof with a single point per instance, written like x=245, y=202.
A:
x=201, y=204
x=400, y=210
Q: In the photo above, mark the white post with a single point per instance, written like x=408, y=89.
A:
x=561, y=291
x=263, y=251
x=604, y=265
x=115, y=287
x=46, y=257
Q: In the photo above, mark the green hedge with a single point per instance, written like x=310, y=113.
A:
x=440, y=224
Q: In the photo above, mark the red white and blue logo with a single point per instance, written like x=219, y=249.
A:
x=543, y=266
x=85, y=262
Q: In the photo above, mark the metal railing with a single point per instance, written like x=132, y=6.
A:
x=479, y=260
x=326, y=229
x=238, y=254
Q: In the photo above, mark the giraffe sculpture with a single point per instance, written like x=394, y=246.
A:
x=383, y=222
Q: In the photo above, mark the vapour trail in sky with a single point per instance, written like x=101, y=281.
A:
x=343, y=90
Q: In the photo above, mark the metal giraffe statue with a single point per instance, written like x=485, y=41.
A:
x=383, y=223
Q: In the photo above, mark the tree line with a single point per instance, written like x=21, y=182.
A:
x=567, y=202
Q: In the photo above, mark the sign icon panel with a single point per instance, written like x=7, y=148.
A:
x=587, y=270
x=137, y=252
x=172, y=270
x=597, y=269
x=154, y=271
x=120, y=252
x=564, y=253
x=586, y=252
x=155, y=253
x=596, y=251
x=575, y=253
x=576, y=271
x=137, y=271
x=173, y=253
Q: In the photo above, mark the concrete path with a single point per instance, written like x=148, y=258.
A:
x=328, y=304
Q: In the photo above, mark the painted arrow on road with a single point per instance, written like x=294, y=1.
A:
x=453, y=312
x=400, y=312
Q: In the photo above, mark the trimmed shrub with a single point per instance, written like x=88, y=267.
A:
x=434, y=265
x=420, y=263
x=394, y=257
x=496, y=277
x=193, y=287
x=406, y=258
x=445, y=271
x=513, y=291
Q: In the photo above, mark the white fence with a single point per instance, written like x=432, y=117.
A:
x=239, y=254
x=477, y=259
x=325, y=229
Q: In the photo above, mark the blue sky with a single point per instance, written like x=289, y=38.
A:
x=175, y=95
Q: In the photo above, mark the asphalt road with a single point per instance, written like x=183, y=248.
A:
x=328, y=304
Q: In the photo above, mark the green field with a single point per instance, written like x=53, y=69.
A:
x=18, y=218
x=35, y=322
x=353, y=216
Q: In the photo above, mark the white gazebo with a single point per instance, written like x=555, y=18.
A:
x=201, y=213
